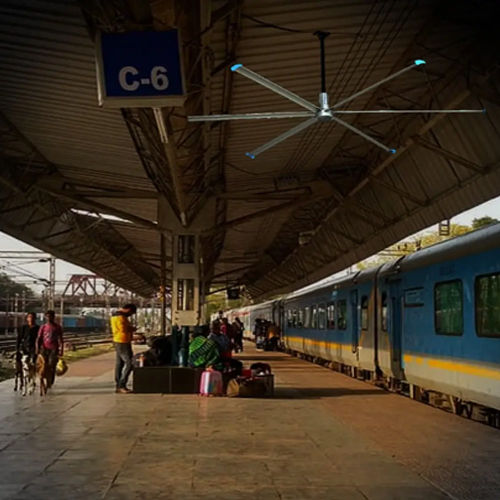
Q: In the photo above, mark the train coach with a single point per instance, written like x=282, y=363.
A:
x=270, y=311
x=71, y=322
x=429, y=321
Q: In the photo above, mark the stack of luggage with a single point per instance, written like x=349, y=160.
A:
x=255, y=382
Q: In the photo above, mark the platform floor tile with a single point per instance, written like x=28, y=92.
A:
x=320, y=437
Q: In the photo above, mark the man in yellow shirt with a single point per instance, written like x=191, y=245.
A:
x=122, y=337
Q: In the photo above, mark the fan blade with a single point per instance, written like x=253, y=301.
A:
x=250, y=116
x=403, y=111
x=239, y=68
x=362, y=134
x=295, y=130
x=416, y=63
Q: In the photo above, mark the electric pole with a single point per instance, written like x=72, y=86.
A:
x=52, y=283
x=16, y=310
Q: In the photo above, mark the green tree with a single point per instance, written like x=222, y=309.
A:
x=10, y=287
x=483, y=221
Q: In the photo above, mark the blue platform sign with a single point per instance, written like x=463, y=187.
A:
x=140, y=68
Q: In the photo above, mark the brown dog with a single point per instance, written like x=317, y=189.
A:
x=41, y=370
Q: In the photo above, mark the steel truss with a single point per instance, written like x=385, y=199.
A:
x=45, y=219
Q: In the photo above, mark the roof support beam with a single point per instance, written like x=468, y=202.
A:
x=356, y=205
x=401, y=192
x=15, y=208
x=171, y=155
x=93, y=205
x=261, y=213
x=125, y=194
x=449, y=155
x=232, y=271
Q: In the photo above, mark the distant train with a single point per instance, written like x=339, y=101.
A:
x=428, y=322
x=71, y=322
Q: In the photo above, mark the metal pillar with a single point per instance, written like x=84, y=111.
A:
x=108, y=312
x=7, y=302
x=163, y=284
x=142, y=323
x=152, y=318
x=52, y=283
x=16, y=310
x=61, y=309
x=23, y=302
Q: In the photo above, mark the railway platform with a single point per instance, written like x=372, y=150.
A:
x=323, y=435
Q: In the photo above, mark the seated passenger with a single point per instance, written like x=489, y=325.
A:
x=222, y=341
x=203, y=353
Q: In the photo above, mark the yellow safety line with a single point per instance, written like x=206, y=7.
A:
x=440, y=364
x=454, y=366
x=320, y=343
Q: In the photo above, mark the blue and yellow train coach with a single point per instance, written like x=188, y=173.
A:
x=429, y=321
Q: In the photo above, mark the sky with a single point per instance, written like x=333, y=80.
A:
x=65, y=269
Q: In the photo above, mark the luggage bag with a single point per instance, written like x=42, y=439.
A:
x=211, y=383
x=254, y=387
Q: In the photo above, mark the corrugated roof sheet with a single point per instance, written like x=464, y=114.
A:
x=351, y=199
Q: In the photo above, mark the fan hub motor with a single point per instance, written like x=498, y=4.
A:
x=324, y=115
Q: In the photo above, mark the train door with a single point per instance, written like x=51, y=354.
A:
x=354, y=324
x=278, y=312
x=396, y=332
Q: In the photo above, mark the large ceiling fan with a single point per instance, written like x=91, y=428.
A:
x=322, y=112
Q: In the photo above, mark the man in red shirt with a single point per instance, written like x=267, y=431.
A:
x=50, y=344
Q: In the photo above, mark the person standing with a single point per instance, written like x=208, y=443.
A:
x=50, y=344
x=238, y=338
x=26, y=338
x=122, y=338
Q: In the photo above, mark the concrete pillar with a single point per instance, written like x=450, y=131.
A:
x=187, y=272
x=185, y=279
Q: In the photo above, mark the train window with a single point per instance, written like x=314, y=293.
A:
x=289, y=318
x=294, y=318
x=307, y=317
x=342, y=314
x=448, y=308
x=330, y=315
x=314, y=322
x=321, y=316
x=300, y=318
x=364, y=312
x=487, y=303
x=384, y=311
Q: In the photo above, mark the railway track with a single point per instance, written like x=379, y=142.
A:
x=72, y=341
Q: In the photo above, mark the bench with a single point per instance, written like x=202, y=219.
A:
x=166, y=380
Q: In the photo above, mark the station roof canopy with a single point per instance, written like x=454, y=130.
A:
x=84, y=183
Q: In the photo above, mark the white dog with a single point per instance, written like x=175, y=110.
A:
x=29, y=374
x=19, y=380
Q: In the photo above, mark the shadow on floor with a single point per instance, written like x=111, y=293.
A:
x=324, y=392
x=263, y=357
